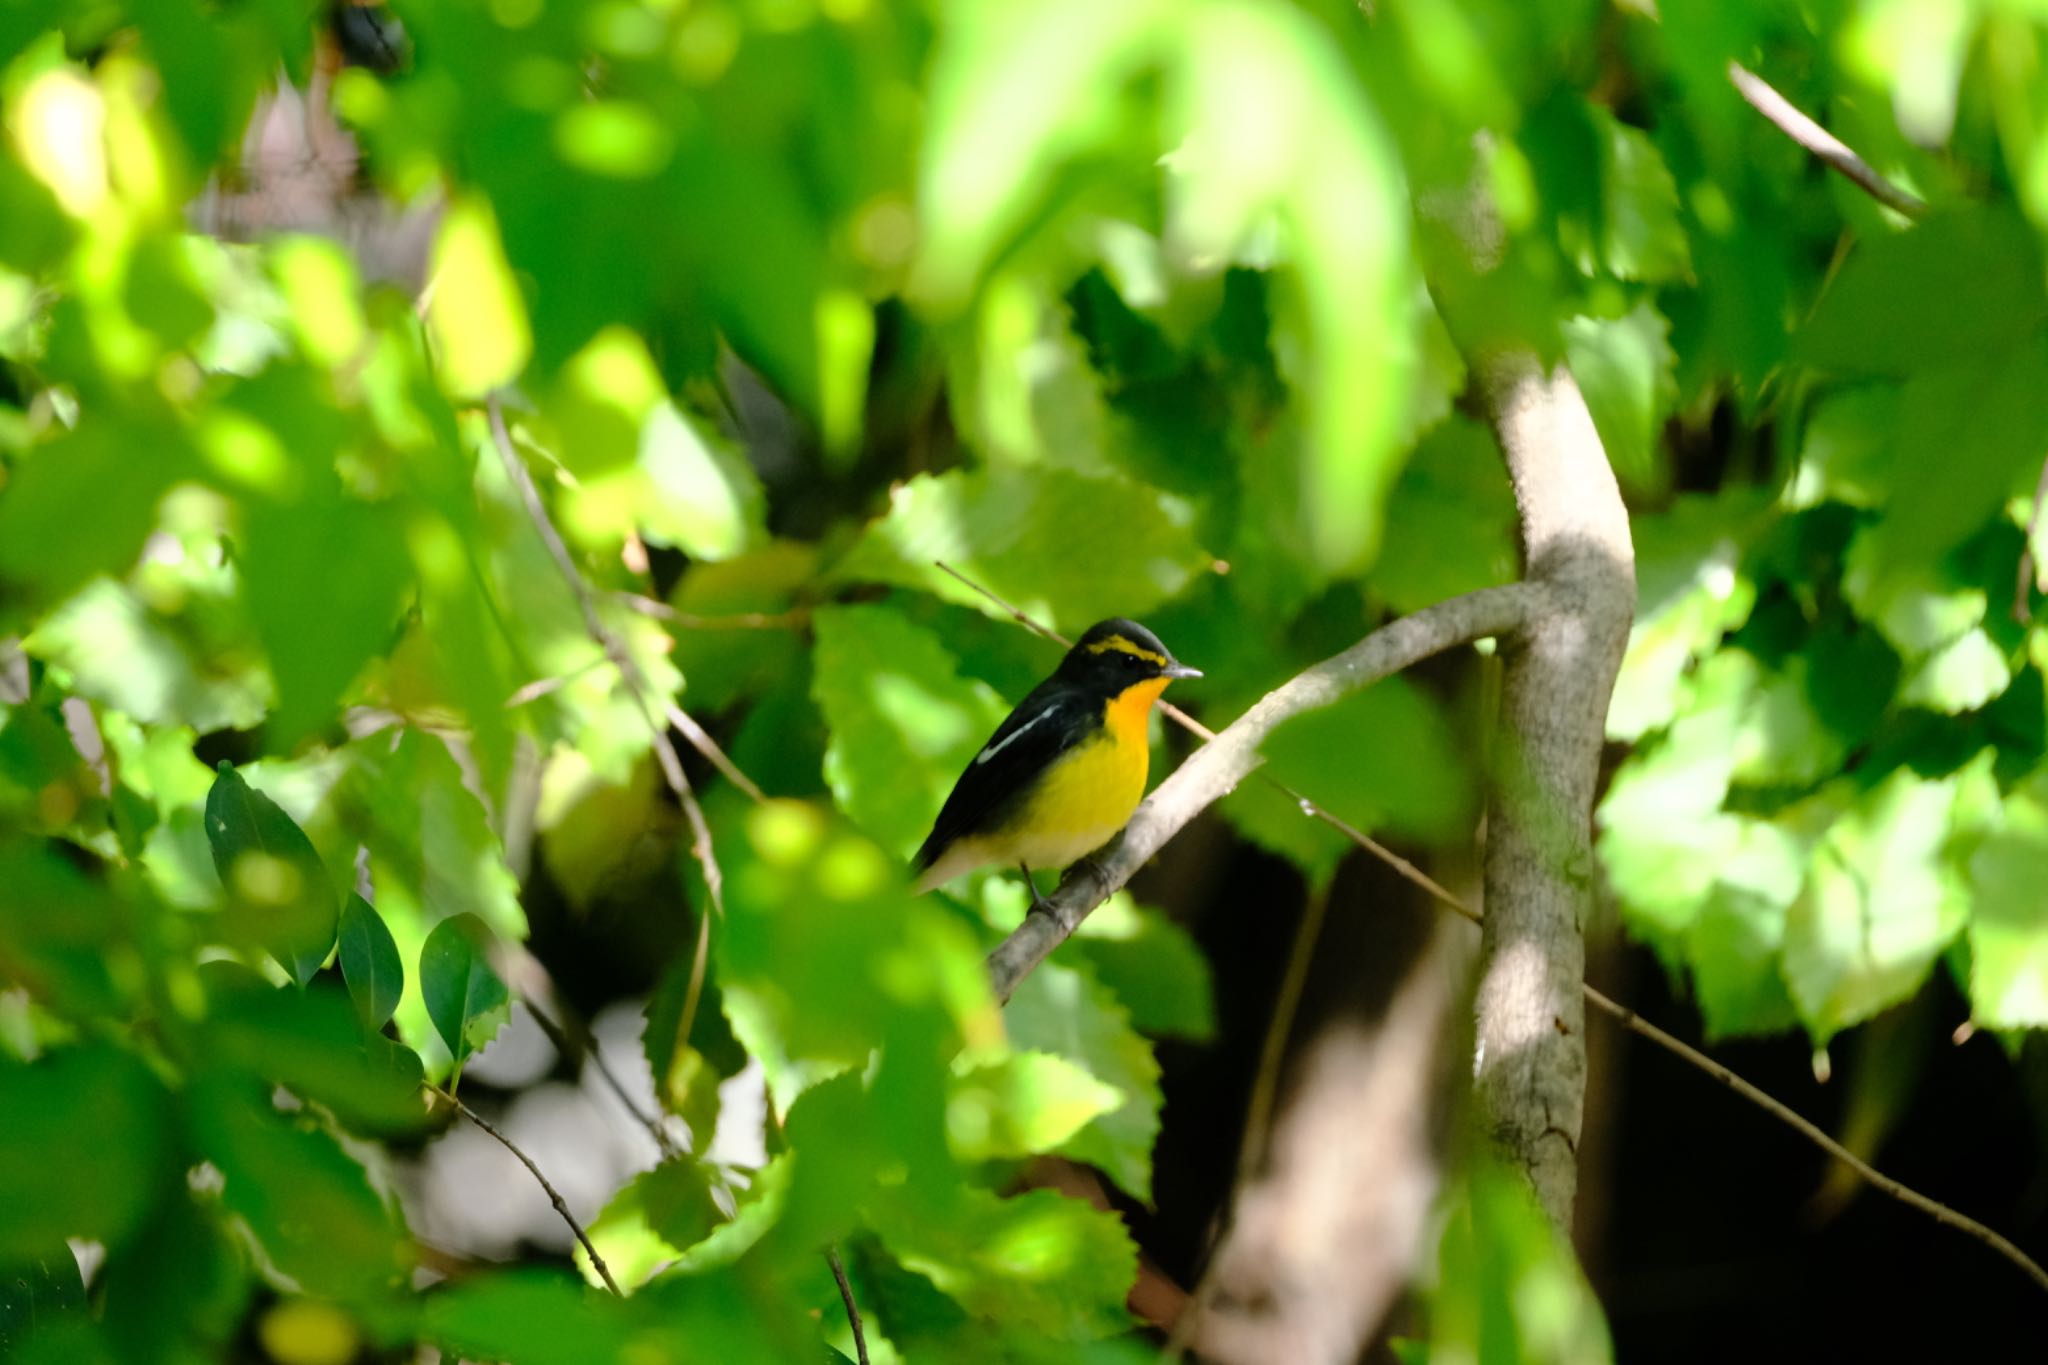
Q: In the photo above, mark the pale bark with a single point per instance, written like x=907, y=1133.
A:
x=1557, y=677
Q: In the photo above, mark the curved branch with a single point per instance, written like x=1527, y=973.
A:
x=1215, y=769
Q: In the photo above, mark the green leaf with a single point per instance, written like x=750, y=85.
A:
x=1039, y=1262
x=1963, y=675
x=272, y=874
x=1014, y=531
x=187, y=1271
x=475, y=314
x=815, y=958
x=83, y=1151
x=1878, y=906
x=37, y=1292
x=1733, y=944
x=1624, y=368
x=1968, y=440
x=1641, y=237
x=370, y=963
x=1450, y=520
x=1014, y=93
x=1151, y=964
x=641, y=462
x=465, y=996
x=1663, y=837
x=1847, y=449
x=904, y=724
x=63, y=958
x=1691, y=588
x=1962, y=286
x=1384, y=758
x=100, y=484
x=325, y=576
x=1022, y=1104
x=654, y=1219
x=191, y=665
x=308, y=1202
x=1278, y=127
x=1059, y=1010
x=313, y=1043
x=2008, y=917
x=1508, y=1287
x=532, y=1317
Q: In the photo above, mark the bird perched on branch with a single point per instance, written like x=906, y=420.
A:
x=1063, y=773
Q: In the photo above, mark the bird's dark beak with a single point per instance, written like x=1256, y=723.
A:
x=1179, y=671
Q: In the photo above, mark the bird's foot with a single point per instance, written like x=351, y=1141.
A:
x=1039, y=904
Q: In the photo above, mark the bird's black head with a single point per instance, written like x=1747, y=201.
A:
x=1116, y=653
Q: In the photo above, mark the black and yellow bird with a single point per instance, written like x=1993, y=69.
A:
x=1063, y=773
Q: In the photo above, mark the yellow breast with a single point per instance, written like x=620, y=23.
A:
x=1090, y=793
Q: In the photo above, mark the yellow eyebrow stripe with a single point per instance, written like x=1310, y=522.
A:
x=1123, y=646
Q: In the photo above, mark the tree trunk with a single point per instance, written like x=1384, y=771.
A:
x=1558, y=676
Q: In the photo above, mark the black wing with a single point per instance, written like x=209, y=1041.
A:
x=1045, y=725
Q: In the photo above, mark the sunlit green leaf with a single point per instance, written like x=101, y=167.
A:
x=1022, y=1104
x=1152, y=965
x=1509, y=1287
x=1878, y=905
x=1014, y=531
x=1040, y=1261
x=2009, y=917
x=1061, y=1011
x=904, y=723
x=1623, y=367
x=650, y=1222
x=475, y=312
x=1280, y=135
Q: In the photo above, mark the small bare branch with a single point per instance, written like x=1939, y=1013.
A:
x=1824, y=145
x=554, y=1195
x=860, y=1339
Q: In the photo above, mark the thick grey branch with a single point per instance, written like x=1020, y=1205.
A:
x=1557, y=677
x=1212, y=771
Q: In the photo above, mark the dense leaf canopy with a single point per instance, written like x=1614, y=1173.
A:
x=312, y=758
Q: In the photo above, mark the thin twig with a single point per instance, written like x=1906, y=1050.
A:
x=1258, y=1122
x=1905, y=1194
x=860, y=1340
x=1933, y=1208
x=1830, y=150
x=743, y=620
x=554, y=1195
x=1635, y=1023
x=701, y=740
x=586, y=1043
x=629, y=673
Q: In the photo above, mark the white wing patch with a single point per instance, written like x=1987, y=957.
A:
x=992, y=750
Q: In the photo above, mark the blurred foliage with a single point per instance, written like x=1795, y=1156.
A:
x=1133, y=308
